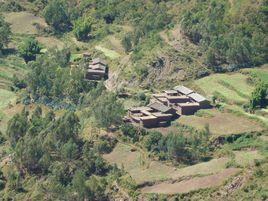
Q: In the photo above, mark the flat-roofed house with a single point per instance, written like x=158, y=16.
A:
x=99, y=61
x=183, y=90
x=143, y=116
x=188, y=108
x=159, y=107
x=177, y=99
x=97, y=70
x=201, y=100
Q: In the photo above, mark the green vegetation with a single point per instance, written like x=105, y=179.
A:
x=63, y=137
x=56, y=15
x=4, y=32
x=29, y=48
x=82, y=29
x=258, y=97
x=230, y=36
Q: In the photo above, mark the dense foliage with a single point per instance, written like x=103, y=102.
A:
x=29, y=48
x=56, y=14
x=5, y=33
x=238, y=39
x=52, y=148
x=52, y=78
x=259, y=95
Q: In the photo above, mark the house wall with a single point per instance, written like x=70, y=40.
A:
x=187, y=110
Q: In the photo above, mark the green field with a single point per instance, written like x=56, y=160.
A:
x=233, y=87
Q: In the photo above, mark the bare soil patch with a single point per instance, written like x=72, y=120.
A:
x=191, y=184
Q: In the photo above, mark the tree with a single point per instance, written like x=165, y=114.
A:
x=108, y=110
x=5, y=33
x=29, y=48
x=17, y=128
x=56, y=15
x=127, y=44
x=258, y=96
x=82, y=28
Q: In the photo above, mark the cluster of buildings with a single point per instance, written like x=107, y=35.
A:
x=97, y=70
x=168, y=105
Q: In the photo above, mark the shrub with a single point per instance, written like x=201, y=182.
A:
x=29, y=48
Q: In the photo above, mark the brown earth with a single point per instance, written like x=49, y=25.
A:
x=191, y=184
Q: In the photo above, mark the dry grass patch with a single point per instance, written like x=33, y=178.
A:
x=143, y=169
x=245, y=158
x=193, y=184
x=50, y=42
x=23, y=22
x=222, y=123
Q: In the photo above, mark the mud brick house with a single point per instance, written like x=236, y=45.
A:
x=188, y=108
x=182, y=90
x=168, y=105
x=97, y=70
x=201, y=100
x=153, y=115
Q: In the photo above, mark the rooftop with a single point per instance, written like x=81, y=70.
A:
x=187, y=104
x=98, y=60
x=184, y=90
x=144, y=108
x=171, y=91
x=159, y=106
x=197, y=97
x=97, y=66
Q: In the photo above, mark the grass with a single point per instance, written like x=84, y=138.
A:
x=6, y=98
x=50, y=42
x=143, y=169
x=261, y=73
x=107, y=52
x=233, y=87
x=246, y=158
x=221, y=123
x=23, y=22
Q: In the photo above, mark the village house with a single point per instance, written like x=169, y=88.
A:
x=97, y=70
x=153, y=115
x=168, y=105
x=201, y=100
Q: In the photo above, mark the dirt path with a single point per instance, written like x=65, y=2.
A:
x=191, y=184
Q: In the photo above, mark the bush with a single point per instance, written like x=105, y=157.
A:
x=29, y=48
x=82, y=28
x=56, y=15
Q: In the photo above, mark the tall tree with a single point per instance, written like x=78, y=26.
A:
x=5, y=33
x=56, y=15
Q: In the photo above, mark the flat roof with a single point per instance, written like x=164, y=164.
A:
x=97, y=66
x=188, y=104
x=98, y=60
x=148, y=117
x=140, y=108
x=160, y=114
x=177, y=97
x=183, y=89
x=171, y=91
x=197, y=97
x=159, y=106
x=96, y=71
x=159, y=95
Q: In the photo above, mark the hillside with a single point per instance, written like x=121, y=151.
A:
x=64, y=136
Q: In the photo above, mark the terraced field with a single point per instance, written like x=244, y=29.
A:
x=143, y=170
x=221, y=123
x=233, y=87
